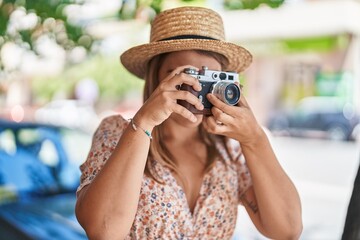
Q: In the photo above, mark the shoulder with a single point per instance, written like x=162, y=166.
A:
x=113, y=122
x=103, y=144
x=111, y=126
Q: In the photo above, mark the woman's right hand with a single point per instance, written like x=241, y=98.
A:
x=163, y=101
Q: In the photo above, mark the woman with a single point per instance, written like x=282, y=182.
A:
x=173, y=174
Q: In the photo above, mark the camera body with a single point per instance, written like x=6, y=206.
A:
x=223, y=85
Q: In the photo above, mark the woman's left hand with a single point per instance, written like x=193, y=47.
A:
x=237, y=122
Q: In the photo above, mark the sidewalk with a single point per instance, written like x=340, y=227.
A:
x=323, y=173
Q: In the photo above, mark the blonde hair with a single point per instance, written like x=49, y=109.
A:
x=158, y=150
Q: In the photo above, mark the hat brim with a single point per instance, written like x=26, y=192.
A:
x=136, y=59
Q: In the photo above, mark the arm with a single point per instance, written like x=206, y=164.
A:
x=272, y=202
x=107, y=206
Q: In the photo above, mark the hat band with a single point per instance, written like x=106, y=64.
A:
x=187, y=37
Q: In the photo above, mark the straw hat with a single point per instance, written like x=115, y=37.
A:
x=186, y=28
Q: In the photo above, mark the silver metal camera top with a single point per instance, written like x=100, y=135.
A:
x=191, y=71
x=212, y=75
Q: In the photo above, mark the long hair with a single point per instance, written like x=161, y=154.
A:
x=158, y=150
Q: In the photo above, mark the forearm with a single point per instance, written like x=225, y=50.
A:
x=108, y=205
x=279, y=208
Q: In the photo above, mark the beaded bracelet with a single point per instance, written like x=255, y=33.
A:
x=135, y=127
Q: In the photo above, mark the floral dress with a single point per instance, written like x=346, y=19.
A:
x=163, y=211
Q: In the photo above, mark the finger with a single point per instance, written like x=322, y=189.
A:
x=177, y=80
x=243, y=102
x=204, y=121
x=184, y=112
x=177, y=71
x=212, y=126
x=189, y=97
x=183, y=78
x=220, y=116
x=220, y=104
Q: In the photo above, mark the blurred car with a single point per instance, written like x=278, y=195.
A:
x=322, y=117
x=39, y=174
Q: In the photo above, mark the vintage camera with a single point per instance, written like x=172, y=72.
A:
x=222, y=84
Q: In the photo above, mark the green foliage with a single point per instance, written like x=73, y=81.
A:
x=5, y=11
x=156, y=5
x=131, y=9
x=250, y=4
x=112, y=78
x=318, y=44
x=45, y=10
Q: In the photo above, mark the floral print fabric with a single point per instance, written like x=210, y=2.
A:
x=163, y=211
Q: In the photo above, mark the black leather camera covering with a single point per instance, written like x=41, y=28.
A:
x=189, y=106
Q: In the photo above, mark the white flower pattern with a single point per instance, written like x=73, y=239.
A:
x=163, y=211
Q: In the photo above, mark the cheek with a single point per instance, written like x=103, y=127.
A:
x=160, y=76
x=162, y=73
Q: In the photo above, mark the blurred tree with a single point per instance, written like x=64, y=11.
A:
x=131, y=9
x=251, y=4
x=45, y=30
x=112, y=78
x=27, y=22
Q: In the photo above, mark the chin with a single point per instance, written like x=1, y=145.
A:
x=186, y=122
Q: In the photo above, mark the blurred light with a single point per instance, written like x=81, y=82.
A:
x=49, y=24
x=348, y=111
x=293, y=1
x=7, y=142
x=19, y=20
x=87, y=90
x=47, y=46
x=11, y=55
x=91, y=10
x=59, y=9
x=85, y=40
x=48, y=153
x=77, y=54
x=17, y=113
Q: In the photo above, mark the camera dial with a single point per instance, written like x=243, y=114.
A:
x=222, y=76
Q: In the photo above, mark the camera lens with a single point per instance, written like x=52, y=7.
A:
x=232, y=94
x=227, y=92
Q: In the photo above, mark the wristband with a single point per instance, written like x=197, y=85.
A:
x=135, y=127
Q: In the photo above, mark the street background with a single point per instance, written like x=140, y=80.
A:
x=59, y=65
x=323, y=172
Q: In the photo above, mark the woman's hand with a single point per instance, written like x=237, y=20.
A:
x=163, y=101
x=237, y=122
